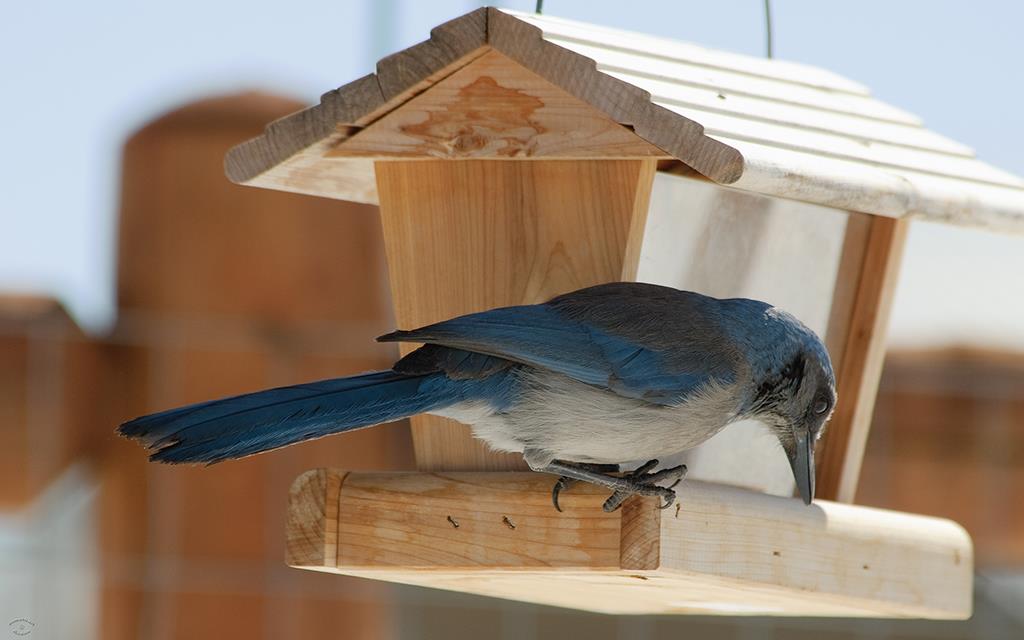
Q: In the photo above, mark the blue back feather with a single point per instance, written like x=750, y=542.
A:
x=640, y=341
x=255, y=422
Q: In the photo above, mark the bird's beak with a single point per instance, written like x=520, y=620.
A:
x=802, y=461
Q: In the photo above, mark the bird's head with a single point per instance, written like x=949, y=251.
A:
x=796, y=395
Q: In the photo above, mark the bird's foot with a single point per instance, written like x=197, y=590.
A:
x=564, y=482
x=640, y=481
x=643, y=482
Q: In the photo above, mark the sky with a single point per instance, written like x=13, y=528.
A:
x=79, y=78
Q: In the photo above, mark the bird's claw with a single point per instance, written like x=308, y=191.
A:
x=560, y=484
x=638, y=482
x=564, y=482
x=642, y=483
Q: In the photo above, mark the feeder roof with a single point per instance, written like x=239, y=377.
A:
x=766, y=126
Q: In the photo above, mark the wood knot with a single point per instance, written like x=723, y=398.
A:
x=468, y=142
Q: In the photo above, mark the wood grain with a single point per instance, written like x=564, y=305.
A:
x=311, y=531
x=640, y=535
x=294, y=153
x=826, y=548
x=681, y=137
x=723, y=551
x=468, y=236
x=495, y=108
x=288, y=140
x=638, y=221
x=799, y=135
x=412, y=70
x=290, y=135
x=846, y=284
x=502, y=519
x=711, y=60
x=865, y=288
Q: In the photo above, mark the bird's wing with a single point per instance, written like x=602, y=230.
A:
x=595, y=350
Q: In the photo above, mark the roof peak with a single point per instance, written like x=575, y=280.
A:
x=402, y=75
x=771, y=127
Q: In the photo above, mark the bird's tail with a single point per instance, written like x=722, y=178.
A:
x=252, y=423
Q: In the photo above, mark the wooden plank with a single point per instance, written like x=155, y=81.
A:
x=639, y=535
x=857, y=186
x=829, y=548
x=502, y=519
x=495, y=108
x=350, y=179
x=291, y=135
x=398, y=77
x=653, y=65
x=855, y=126
x=684, y=139
x=833, y=145
x=311, y=530
x=846, y=282
x=412, y=70
x=557, y=29
x=467, y=236
x=857, y=341
x=951, y=201
x=290, y=155
x=638, y=222
x=721, y=551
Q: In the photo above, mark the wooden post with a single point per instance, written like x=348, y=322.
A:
x=470, y=235
x=865, y=286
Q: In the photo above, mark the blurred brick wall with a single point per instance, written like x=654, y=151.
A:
x=948, y=440
x=225, y=289
x=47, y=416
x=221, y=290
x=197, y=552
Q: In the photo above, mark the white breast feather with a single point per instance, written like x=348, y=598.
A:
x=570, y=420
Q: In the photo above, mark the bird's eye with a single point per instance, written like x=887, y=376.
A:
x=821, y=406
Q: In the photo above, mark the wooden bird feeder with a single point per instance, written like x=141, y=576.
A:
x=515, y=157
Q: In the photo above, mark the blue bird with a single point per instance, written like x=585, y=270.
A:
x=579, y=385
